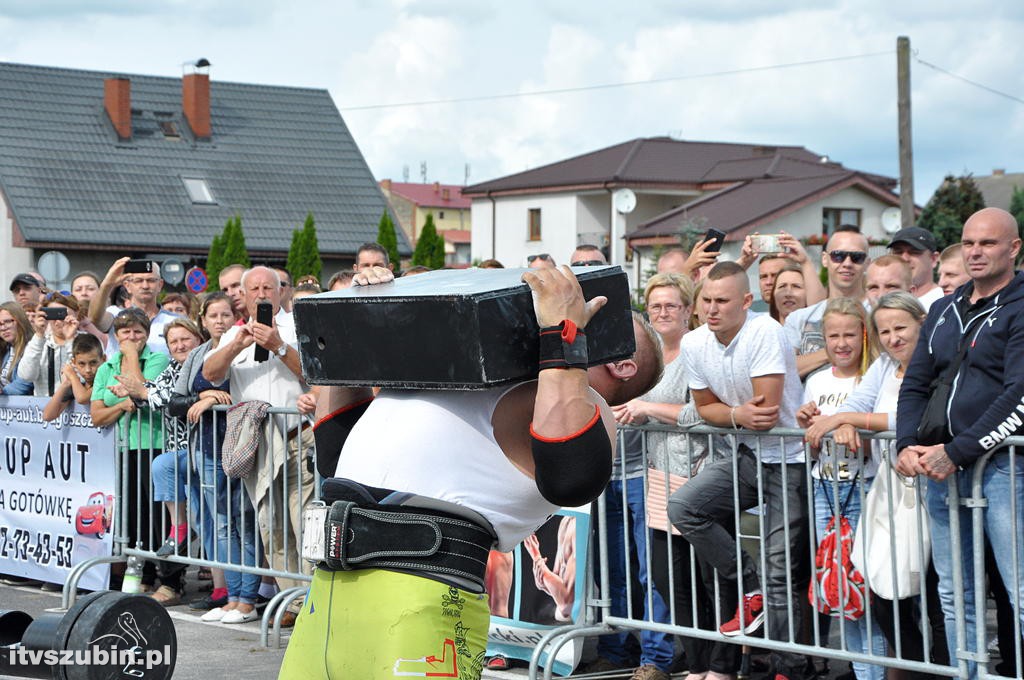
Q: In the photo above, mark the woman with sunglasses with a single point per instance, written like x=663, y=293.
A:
x=15, y=330
x=846, y=257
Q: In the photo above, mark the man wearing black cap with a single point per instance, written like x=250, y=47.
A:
x=26, y=289
x=917, y=247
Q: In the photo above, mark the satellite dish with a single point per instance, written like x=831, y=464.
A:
x=54, y=266
x=172, y=271
x=624, y=201
x=892, y=220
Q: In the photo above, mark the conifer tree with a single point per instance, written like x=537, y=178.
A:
x=214, y=261
x=387, y=238
x=430, y=246
x=956, y=199
x=1017, y=206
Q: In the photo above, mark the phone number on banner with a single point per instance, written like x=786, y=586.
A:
x=44, y=550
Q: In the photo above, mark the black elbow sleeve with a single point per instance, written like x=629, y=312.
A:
x=179, y=404
x=574, y=470
x=330, y=433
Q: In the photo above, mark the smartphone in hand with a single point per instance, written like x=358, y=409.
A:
x=718, y=237
x=265, y=316
x=138, y=266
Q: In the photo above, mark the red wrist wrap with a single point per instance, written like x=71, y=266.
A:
x=563, y=346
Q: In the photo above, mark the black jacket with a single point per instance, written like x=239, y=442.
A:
x=986, y=404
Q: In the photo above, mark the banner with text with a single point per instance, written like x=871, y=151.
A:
x=535, y=588
x=56, y=492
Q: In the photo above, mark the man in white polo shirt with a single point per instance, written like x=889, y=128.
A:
x=743, y=375
x=277, y=381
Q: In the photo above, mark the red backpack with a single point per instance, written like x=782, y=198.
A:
x=837, y=587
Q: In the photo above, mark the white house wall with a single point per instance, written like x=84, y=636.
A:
x=592, y=214
x=807, y=220
x=14, y=260
x=511, y=241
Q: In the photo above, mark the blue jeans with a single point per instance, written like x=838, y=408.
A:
x=236, y=537
x=170, y=476
x=703, y=510
x=999, y=524
x=859, y=638
x=655, y=648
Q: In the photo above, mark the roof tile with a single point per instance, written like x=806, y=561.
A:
x=276, y=154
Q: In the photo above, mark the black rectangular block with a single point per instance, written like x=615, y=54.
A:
x=447, y=329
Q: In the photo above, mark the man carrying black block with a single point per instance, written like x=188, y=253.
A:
x=428, y=481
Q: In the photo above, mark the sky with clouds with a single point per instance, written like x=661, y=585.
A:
x=705, y=56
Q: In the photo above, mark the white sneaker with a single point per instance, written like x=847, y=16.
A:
x=214, y=614
x=237, y=616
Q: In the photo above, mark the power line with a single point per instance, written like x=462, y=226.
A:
x=969, y=81
x=608, y=86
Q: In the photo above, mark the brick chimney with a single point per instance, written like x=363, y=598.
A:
x=117, y=100
x=385, y=184
x=195, y=102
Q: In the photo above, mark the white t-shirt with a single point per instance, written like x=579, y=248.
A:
x=803, y=328
x=759, y=348
x=271, y=380
x=441, y=444
x=829, y=392
x=932, y=296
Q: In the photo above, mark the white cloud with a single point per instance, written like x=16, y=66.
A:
x=369, y=52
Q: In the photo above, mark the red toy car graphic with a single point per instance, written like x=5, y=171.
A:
x=95, y=516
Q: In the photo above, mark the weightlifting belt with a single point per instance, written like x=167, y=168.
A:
x=351, y=529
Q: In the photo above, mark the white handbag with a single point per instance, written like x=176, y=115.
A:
x=899, y=574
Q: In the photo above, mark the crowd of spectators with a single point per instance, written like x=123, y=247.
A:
x=834, y=359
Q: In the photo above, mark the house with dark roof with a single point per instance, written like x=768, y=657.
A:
x=100, y=165
x=634, y=197
x=412, y=202
x=997, y=188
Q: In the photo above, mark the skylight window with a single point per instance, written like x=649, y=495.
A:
x=198, y=190
x=170, y=130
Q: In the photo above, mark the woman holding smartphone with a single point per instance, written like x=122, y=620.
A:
x=56, y=324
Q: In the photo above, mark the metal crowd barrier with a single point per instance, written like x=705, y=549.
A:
x=224, y=516
x=912, y=621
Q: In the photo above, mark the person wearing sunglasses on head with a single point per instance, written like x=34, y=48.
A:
x=846, y=257
x=587, y=255
x=541, y=261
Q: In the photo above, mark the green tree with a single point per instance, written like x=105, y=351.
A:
x=214, y=261
x=294, y=262
x=315, y=263
x=227, y=248
x=430, y=246
x=387, y=238
x=1017, y=206
x=304, y=253
x=956, y=199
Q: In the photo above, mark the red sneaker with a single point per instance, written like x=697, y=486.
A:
x=752, y=610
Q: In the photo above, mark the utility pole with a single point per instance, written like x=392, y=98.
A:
x=906, y=139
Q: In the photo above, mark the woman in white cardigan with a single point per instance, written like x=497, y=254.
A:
x=50, y=347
